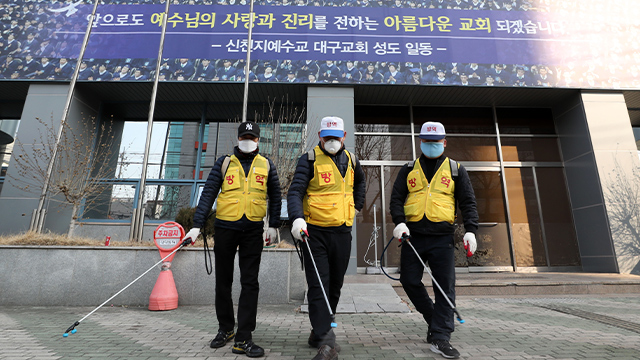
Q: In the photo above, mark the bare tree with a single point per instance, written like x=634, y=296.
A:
x=84, y=158
x=624, y=213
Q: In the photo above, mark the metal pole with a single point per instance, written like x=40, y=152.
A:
x=512, y=247
x=37, y=225
x=375, y=237
x=139, y=221
x=246, y=66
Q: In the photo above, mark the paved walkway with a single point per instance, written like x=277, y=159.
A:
x=367, y=298
x=509, y=328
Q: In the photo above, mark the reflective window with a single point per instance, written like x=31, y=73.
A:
x=530, y=149
x=456, y=120
x=463, y=148
x=173, y=151
x=162, y=202
x=492, y=235
x=112, y=202
x=220, y=140
x=525, y=121
x=364, y=221
x=371, y=118
x=370, y=147
x=525, y=217
x=127, y=148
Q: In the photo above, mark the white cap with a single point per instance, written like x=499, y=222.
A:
x=332, y=126
x=432, y=130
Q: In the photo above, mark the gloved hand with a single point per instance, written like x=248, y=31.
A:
x=470, y=244
x=399, y=230
x=192, y=234
x=298, y=225
x=270, y=236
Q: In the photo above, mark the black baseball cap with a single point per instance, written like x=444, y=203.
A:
x=249, y=128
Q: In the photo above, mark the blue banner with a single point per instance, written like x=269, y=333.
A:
x=299, y=33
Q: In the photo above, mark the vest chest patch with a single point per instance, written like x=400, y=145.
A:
x=325, y=175
x=231, y=179
x=259, y=178
x=414, y=181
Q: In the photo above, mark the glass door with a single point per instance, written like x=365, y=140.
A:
x=493, y=251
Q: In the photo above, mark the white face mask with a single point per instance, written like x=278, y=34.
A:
x=247, y=146
x=332, y=146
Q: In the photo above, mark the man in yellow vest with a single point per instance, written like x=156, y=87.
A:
x=328, y=188
x=245, y=181
x=423, y=205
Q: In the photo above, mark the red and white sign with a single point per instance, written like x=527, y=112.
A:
x=168, y=237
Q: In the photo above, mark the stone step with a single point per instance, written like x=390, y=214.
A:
x=513, y=284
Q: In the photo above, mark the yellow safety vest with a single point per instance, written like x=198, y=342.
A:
x=329, y=200
x=436, y=199
x=241, y=194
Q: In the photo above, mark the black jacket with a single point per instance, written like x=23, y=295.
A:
x=212, y=188
x=304, y=174
x=463, y=193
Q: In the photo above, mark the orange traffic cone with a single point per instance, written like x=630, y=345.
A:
x=164, y=295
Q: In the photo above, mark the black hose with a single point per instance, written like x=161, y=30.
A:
x=299, y=252
x=207, y=251
x=381, y=256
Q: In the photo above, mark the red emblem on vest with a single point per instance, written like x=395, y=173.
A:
x=230, y=179
x=412, y=182
x=326, y=176
x=445, y=181
x=260, y=179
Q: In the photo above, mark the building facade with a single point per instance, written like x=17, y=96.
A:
x=540, y=109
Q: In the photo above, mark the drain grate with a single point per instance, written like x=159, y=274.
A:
x=608, y=320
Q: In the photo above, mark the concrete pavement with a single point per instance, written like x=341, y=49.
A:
x=509, y=328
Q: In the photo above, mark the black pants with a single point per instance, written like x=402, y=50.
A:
x=438, y=253
x=249, y=244
x=331, y=251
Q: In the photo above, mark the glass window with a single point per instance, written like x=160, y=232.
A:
x=112, y=202
x=162, y=202
x=365, y=218
x=525, y=217
x=173, y=150
x=394, y=118
x=636, y=134
x=525, y=121
x=220, y=140
x=393, y=252
x=530, y=149
x=456, y=120
x=127, y=148
x=558, y=223
x=370, y=147
x=462, y=148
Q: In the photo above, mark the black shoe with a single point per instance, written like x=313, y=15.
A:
x=326, y=353
x=445, y=349
x=314, y=343
x=248, y=348
x=222, y=338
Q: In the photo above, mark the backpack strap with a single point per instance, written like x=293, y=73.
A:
x=311, y=155
x=225, y=165
x=412, y=164
x=454, y=168
x=352, y=158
